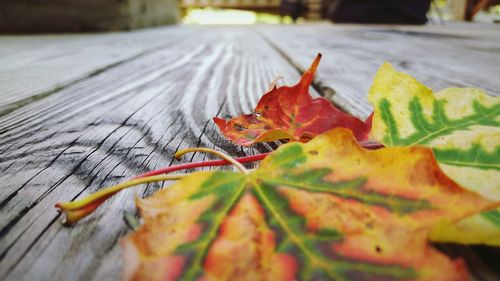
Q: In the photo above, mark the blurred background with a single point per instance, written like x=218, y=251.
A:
x=47, y=16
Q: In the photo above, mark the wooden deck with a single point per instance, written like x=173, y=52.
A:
x=80, y=112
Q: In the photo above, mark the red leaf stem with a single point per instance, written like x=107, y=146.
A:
x=222, y=162
x=193, y=165
x=76, y=210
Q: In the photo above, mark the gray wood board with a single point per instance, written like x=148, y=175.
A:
x=34, y=66
x=352, y=55
x=128, y=118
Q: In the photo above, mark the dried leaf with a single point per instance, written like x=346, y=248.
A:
x=290, y=113
x=461, y=125
x=325, y=210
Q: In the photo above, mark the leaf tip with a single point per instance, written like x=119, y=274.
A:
x=314, y=65
x=221, y=123
x=308, y=76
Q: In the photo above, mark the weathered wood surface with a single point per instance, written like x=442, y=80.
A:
x=33, y=67
x=352, y=54
x=133, y=115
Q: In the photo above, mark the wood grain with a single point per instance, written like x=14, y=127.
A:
x=111, y=126
x=34, y=67
x=352, y=55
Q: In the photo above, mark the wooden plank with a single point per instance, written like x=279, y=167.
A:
x=352, y=55
x=449, y=28
x=35, y=66
x=111, y=126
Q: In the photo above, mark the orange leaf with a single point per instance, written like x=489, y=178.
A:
x=290, y=113
x=325, y=210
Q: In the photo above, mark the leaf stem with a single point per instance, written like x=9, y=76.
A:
x=76, y=210
x=223, y=162
x=222, y=155
x=211, y=163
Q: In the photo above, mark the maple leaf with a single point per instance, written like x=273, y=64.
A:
x=325, y=210
x=290, y=113
x=461, y=125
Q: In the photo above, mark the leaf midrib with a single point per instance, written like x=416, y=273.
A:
x=314, y=260
x=464, y=125
x=200, y=255
x=470, y=164
x=332, y=268
x=314, y=188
